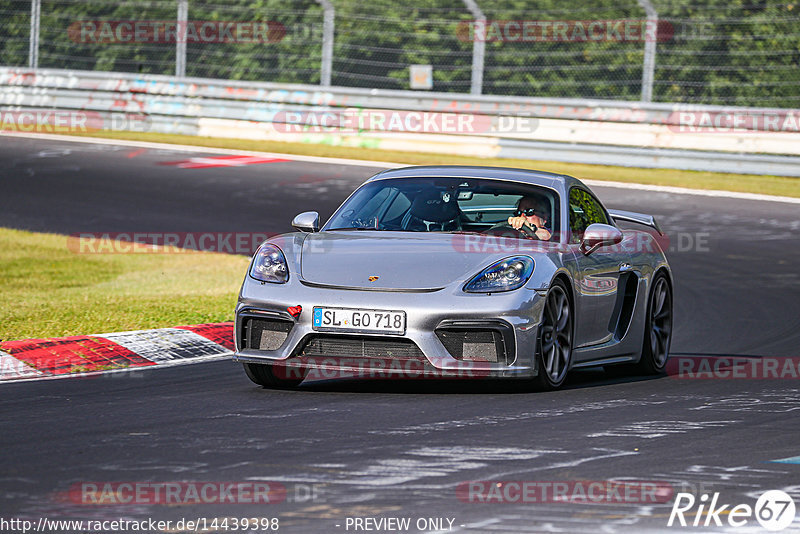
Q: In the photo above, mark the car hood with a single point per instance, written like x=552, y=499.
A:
x=399, y=260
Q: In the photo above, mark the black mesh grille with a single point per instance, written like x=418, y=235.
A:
x=360, y=347
x=264, y=334
x=473, y=344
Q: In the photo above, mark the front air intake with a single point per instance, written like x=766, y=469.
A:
x=264, y=333
x=478, y=342
x=360, y=347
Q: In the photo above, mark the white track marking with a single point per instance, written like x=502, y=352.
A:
x=697, y=192
x=482, y=453
x=658, y=429
x=390, y=165
x=486, y=420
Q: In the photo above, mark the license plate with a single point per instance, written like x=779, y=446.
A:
x=358, y=320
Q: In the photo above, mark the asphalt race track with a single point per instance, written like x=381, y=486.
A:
x=346, y=448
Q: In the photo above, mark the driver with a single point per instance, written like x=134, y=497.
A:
x=532, y=216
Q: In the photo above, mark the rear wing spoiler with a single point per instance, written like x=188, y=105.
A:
x=639, y=218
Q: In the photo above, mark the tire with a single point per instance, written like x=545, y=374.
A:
x=554, y=342
x=264, y=375
x=658, y=328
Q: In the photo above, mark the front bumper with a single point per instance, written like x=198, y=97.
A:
x=515, y=314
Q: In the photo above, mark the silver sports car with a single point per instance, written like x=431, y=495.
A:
x=451, y=271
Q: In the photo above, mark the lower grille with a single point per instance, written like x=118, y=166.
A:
x=360, y=347
x=264, y=334
x=472, y=344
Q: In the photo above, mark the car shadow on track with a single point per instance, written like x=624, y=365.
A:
x=682, y=365
x=577, y=379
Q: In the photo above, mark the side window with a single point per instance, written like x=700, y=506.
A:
x=584, y=210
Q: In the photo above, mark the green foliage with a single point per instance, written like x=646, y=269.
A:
x=730, y=52
x=14, y=31
x=51, y=290
x=584, y=210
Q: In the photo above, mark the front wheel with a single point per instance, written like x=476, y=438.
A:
x=658, y=327
x=554, y=343
x=266, y=375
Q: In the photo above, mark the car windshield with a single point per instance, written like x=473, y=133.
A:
x=442, y=205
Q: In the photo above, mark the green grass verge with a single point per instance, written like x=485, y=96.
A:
x=49, y=291
x=766, y=185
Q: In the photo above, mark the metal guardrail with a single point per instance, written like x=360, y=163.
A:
x=279, y=93
x=587, y=131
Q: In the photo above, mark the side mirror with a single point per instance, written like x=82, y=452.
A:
x=308, y=221
x=599, y=235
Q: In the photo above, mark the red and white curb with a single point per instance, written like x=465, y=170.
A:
x=82, y=355
x=222, y=161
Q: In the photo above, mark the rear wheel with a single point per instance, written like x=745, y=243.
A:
x=265, y=375
x=554, y=343
x=658, y=328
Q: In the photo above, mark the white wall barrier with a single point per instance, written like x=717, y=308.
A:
x=743, y=140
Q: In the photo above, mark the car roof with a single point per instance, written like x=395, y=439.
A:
x=559, y=182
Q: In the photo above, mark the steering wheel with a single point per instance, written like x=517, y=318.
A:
x=507, y=230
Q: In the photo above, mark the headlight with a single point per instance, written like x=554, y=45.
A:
x=505, y=275
x=269, y=265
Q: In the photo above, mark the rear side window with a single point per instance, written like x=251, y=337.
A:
x=584, y=210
